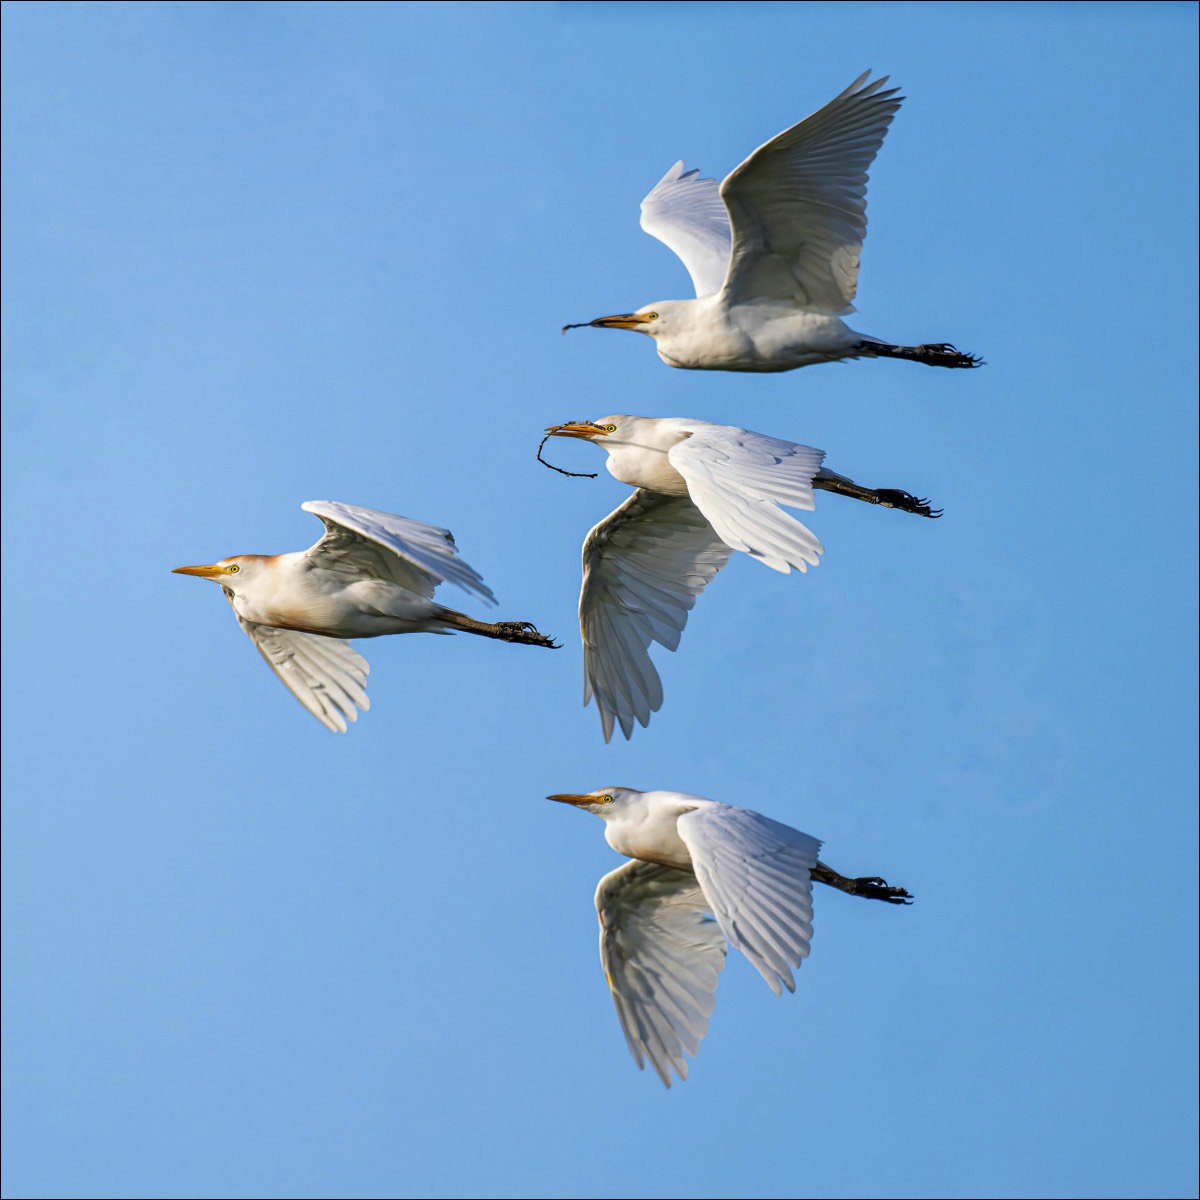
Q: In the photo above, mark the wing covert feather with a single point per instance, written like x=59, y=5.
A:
x=643, y=567
x=798, y=204
x=410, y=553
x=661, y=954
x=327, y=675
x=738, y=478
x=688, y=216
x=756, y=874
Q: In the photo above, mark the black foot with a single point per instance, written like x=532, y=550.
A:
x=524, y=633
x=907, y=502
x=874, y=888
x=942, y=354
x=935, y=354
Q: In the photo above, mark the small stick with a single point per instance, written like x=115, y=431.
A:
x=581, y=325
x=573, y=474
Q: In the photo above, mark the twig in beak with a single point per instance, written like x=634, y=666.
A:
x=573, y=474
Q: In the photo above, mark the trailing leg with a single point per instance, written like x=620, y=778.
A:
x=871, y=887
x=521, y=632
x=831, y=481
x=936, y=354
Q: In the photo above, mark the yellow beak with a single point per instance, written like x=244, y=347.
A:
x=575, y=429
x=572, y=798
x=210, y=571
x=619, y=321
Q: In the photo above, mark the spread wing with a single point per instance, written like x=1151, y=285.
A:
x=738, y=479
x=661, y=954
x=688, y=216
x=327, y=675
x=414, y=555
x=798, y=204
x=643, y=567
x=756, y=875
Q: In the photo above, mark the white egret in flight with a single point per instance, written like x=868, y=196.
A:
x=704, y=491
x=372, y=573
x=661, y=949
x=773, y=250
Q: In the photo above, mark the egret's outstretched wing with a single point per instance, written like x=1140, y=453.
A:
x=688, y=216
x=327, y=675
x=755, y=874
x=737, y=479
x=414, y=555
x=798, y=204
x=643, y=567
x=661, y=954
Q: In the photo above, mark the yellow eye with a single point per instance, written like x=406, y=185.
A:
x=609, y=428
x=234, y=569
x=652, y=316
x=606, y=799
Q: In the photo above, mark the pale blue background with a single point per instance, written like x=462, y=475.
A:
x=261, y=253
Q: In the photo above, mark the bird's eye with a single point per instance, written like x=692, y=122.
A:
x=609, y=428
x=234, y=569
x=652, y=316
x=606, y=799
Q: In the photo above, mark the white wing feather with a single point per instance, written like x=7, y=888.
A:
x=661, y=954
x=327, y=675
x=798, y=204
x=414, y=555
x=737, y=479
x=688, y=216
x=643, y=567
x=756, y=875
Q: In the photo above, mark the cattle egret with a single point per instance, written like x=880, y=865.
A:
x=372, y=573
x=773, y=251
x=704, y=491
x=696, y=860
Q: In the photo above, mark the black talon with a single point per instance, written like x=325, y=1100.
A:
x=896, y=498
x=526, y=633
x=932, y=354
x=874, y=888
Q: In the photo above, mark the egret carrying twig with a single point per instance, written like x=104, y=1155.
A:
x=660, y=949
x=371, y=574
x=704, y=491
x=773, y=252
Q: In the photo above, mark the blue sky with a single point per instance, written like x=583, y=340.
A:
x=261, y=253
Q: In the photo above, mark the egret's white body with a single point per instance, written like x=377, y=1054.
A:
x=373, y=573
x=773, y=251
x=660, y=948
x=703, y=491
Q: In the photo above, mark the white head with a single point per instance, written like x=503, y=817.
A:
x=235, y=573
x=607, y=802
x=654, y=320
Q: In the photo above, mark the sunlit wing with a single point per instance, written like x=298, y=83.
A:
x=738, y=479
x=688, y=216
x=661, y=954
x=414, y=555
x=755, y=873
x=327, y=675
x=798, y=205
x=643, y=567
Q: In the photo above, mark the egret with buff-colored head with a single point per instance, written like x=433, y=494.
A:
x=373, y=573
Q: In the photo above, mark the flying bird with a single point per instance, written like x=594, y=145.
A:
x=703, y=874
x=371, y=573
x=703, y=491
x=773, y=250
